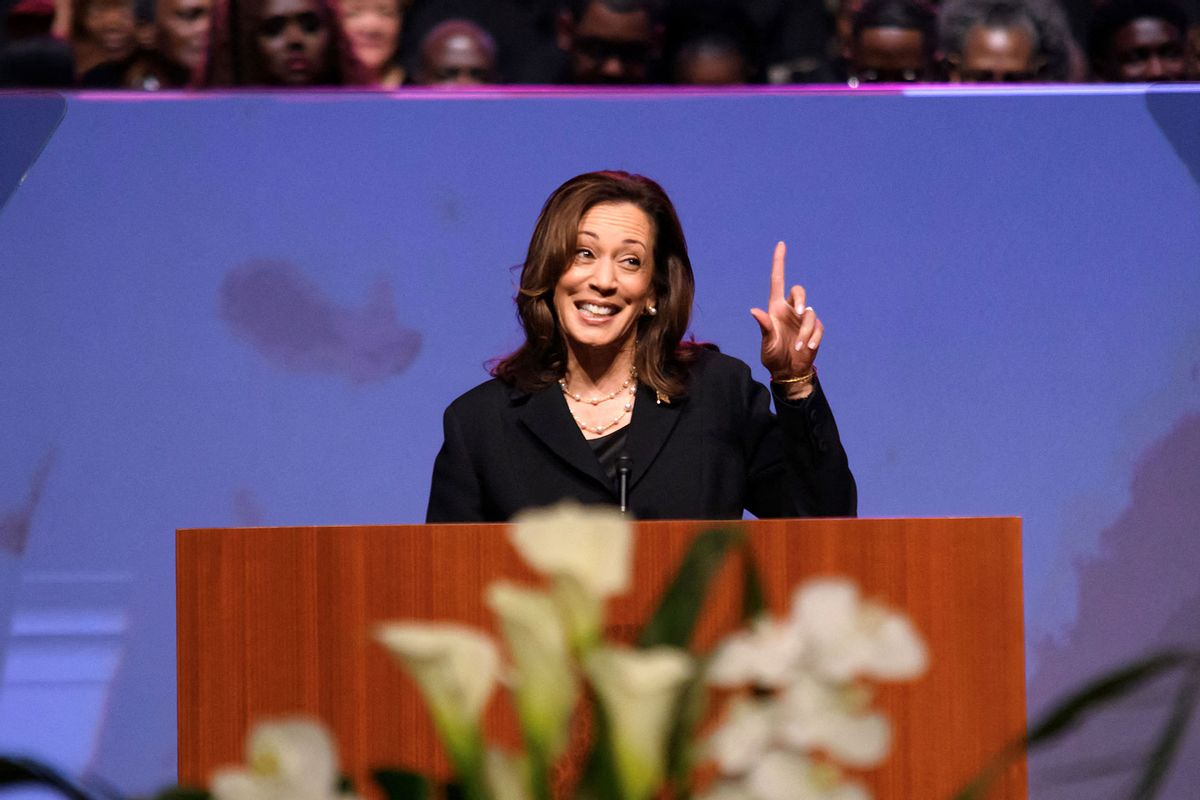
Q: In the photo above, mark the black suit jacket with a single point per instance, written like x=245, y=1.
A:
x=708, y=454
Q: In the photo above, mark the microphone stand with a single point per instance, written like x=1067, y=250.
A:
x=624, y=467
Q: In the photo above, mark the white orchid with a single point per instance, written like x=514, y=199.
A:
x=767, y=655
x=456, y=668
x=286, y=759
x=744, y=736
x=586, y=552
x=846, y=637
x=782, y=775
x=835, y=720
x=639, y=691
x=543, y=679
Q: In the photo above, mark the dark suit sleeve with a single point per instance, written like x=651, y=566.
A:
x=455, y=494
x=798, y=467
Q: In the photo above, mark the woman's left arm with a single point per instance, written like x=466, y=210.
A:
x=823, y=485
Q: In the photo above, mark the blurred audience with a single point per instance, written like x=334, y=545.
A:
x=278, y=43
x=1139, y=41
x=891, y=41
x=162, y=44
x=457, y=52
x=711, y=43
x=179, y=39
x=373, y=28
x=610, y=41
x=1004, y=41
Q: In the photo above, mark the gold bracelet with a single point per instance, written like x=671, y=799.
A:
x=803, y=379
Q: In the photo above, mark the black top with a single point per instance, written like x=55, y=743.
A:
x=608, y=449
x=707, y=454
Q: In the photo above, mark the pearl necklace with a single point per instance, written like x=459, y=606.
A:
x=628, y=386
x=595, y=401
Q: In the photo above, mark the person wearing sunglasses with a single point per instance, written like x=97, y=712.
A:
x=610, y=41
x=278, y=43
x=1004, y=41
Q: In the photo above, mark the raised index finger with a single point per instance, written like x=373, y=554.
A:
x=777, y=272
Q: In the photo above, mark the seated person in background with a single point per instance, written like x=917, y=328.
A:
x=610, y=41
x=712, y=44
x=457, y=52
x=278, y=43
x=1003, y=41
x=180, y=34
x=33, y=58
x=101, y=30
x=891, y=41
x=373, y=28
x=1138, y=41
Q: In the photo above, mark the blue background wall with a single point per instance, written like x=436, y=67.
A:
x=251, y=309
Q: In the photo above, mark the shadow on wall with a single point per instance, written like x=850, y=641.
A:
x=286, y=317
x=1178, y=116
x=1140, y=594
x=15, y=524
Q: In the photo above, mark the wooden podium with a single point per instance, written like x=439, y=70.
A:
x=277, y=621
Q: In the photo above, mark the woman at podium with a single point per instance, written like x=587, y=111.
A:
x=605, y=403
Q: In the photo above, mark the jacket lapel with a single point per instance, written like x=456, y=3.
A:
x=649, y=429
x=545, y=414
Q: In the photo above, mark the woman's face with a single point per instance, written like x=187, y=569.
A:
x=183, y=27
x=110, y=24
x=373, y=27
x=293, y=40
x=608, y=284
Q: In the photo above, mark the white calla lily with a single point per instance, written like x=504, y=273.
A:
x=592, y=544
x=639, y=691
x=846, y=637
x=586, y=551
x=505, y=776
x=456, y=669
x=543, y=679
x=287, y=758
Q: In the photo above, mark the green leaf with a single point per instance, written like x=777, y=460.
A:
x=182, y=793
x=754, y=602
x=599, y=780
x=400, y=784
x=1101, y=691
x=1172, y=735
x=1095, y=696
x=679, y=610
x=675, y=620
x=680, y=757
x=15, y=771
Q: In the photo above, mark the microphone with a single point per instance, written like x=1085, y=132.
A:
x=624, y=467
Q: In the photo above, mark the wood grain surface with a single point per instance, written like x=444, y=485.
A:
x=277, y=621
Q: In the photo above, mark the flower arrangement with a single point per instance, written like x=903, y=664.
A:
x=798, y=712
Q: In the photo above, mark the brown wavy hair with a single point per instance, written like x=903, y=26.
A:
x=661, y=357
